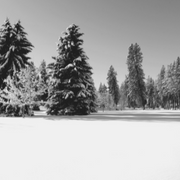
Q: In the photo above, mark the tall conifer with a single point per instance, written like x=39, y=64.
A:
x=43, y=80
x=14, y=48
x=137, y=89
x=72, y=88
x=113, y=85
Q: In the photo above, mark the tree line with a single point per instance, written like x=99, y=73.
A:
x=66, y=86
x=136, y=91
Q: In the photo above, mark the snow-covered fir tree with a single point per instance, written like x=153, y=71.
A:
x=14, y=48
x=136, y=76
x=72, y=88
x=113, y=85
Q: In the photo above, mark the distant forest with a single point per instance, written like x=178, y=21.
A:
x=136, y=92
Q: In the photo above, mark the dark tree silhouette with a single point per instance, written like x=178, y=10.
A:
x=44, y=78
x=14, y=48
x=160, y=80
x=72, y=88
x=150, y=91
x=113, y=85
x=137, y=89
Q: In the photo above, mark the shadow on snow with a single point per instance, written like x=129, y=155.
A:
x=118, y=116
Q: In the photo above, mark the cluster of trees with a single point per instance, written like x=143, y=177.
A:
x=22, y=92
x=132, y=92
x=163, y=92
x=65, y=86
x=136, y=92
x=108, y=97
x=14, y=48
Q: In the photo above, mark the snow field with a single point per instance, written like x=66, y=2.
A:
x=39, y=149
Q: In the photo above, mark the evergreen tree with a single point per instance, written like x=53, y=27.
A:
x=150, y=91
x=168, y=85
x=5, y=44
x=124, y=88
x=113, y=85
x=157, y=100
x=160, y=80
x=43, y=80
x=92, y=97
x=102, y=88
x=137, y=89
x=122, y=96
x=14, y=48
x=72, y=88
x=177, y=77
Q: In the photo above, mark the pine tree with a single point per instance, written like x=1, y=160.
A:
x=123, y=94
x=137, y=89
x=93, y=96
x=14, y=48
x=5, y=44
x=126, y=92
x=113, y=85
x=22, y=46
x=72, y=88
x=160, y=80
x=150, y=91
x=43, y=80
x=157, y=100
x=167, y=86
x=102, y=88
x=177, y=77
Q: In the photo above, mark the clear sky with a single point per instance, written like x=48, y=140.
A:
x=109, y=27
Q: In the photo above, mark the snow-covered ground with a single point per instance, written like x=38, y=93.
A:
x=121, y=145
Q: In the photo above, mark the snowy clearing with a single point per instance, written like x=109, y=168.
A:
x=119, y=145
